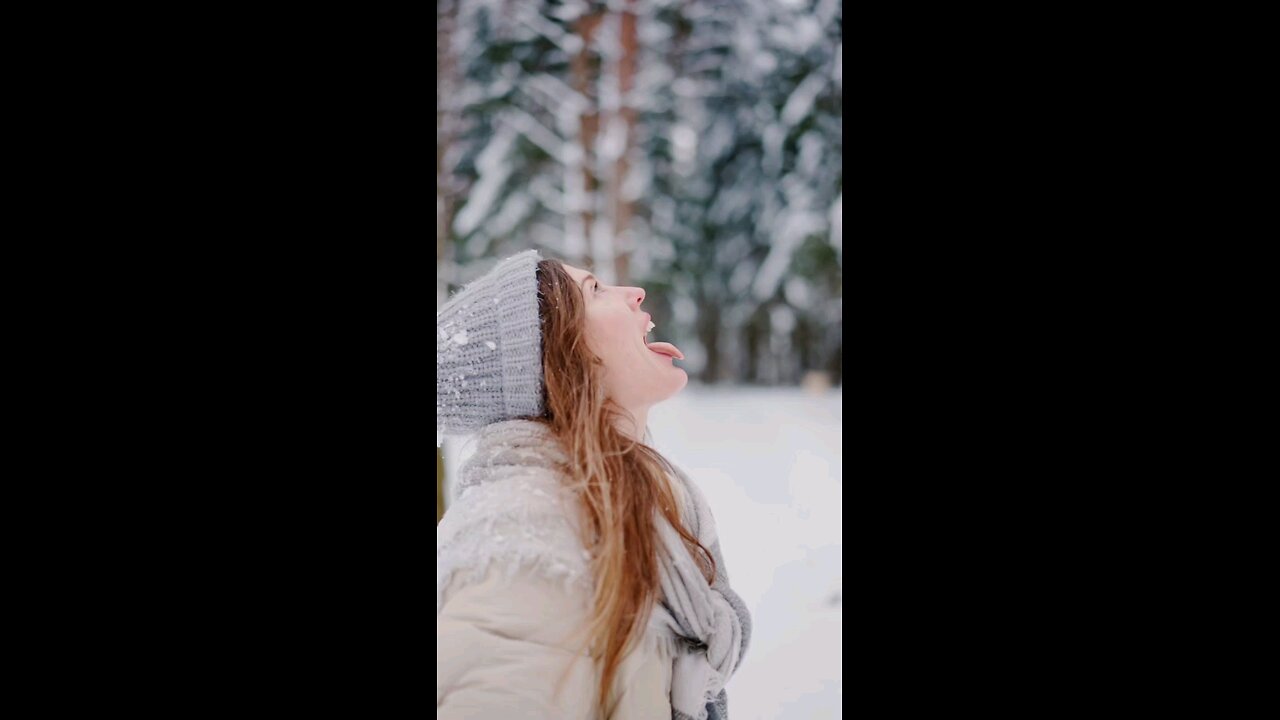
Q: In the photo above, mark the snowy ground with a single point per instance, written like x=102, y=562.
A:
x=770, y=462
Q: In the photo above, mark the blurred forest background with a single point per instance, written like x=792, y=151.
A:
x=691, y=147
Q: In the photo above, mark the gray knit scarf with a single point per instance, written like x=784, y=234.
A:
x=711, y=618
x=710, y=621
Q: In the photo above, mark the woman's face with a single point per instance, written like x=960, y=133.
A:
x=638, y=373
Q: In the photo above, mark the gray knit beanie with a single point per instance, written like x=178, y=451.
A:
x=489, y=349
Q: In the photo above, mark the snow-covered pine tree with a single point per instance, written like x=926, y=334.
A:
x=689, y=145
x=504, y=150
x=743, y=144
x=544, y=127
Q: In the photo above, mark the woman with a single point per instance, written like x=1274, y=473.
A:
x=578, y=573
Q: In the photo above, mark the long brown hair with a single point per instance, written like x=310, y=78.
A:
x=623, y=483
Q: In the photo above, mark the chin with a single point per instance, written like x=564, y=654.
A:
x=676, y=385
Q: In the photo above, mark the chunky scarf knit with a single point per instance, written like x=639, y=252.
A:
x=516, y=480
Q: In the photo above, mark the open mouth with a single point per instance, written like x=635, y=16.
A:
x=661, y=348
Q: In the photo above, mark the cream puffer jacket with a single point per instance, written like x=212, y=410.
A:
x=505, y=648
x=513, y=599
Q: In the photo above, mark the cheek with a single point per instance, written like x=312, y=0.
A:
x=608, y=335
x=612, y=341
x=603, y=341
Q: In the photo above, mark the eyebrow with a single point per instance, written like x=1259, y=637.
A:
x=585, y=279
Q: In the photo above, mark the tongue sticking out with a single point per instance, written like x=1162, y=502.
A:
x=666, y=349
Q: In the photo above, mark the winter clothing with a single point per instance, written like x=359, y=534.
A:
x=489, y=349
x=712, y=619
x=513, y=595
x=508, y=647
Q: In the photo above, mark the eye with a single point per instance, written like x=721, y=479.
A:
x=595, y=286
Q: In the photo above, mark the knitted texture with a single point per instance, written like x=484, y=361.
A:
x=489, y=349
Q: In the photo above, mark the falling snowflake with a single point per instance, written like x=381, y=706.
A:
x=459, y=337
x=490, y=344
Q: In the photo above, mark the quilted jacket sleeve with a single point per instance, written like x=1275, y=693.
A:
x=512, y=647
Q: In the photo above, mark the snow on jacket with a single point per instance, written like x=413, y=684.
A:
x=513, y=594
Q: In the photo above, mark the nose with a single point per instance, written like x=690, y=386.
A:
x=635, y=296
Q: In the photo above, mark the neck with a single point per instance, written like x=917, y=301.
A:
x=632, y=422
